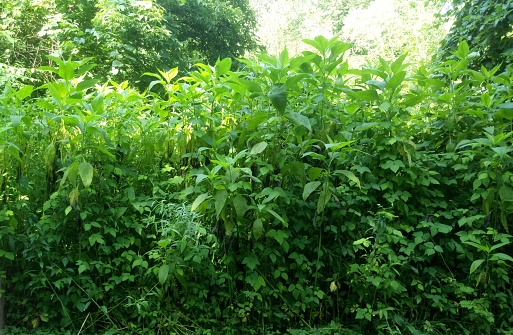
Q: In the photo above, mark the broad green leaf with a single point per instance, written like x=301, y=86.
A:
x=228, y=227
x=475, y=265
x=199, y=200
x=223, y=66
x=363, y=241
x=506, y=193
x=258, y=148
x=309, y=188
x=220, y=200
x=251, y=261
x=398, y=65
x=278, y=96
x=378, y=83
x=463, y=50
x=258, y=229
x=257, y=119
x=506, y=105
x=300, y=119
x=85, y=170
x=502, y=151
x=200, y=177
x=7, y=254
x=350, y=176
x=15, y=120
x=324, y=198
x=320, y=43
x=497, y=246
x=169, y=75
x=361, y=313
x=240, y=204
x=163, y=273
x=396, y=80
x=502, y=257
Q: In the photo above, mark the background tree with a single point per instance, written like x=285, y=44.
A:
x=337, y=11
x=125, y=37
x=487, y=26
x=284, y=23
x=389, y=28
x=211, y=29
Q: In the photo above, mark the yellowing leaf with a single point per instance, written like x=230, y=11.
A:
x=85, y=170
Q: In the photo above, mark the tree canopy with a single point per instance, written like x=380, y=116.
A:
x=125, y=37
x=487, y=26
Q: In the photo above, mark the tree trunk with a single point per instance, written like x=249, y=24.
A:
x=2, y=306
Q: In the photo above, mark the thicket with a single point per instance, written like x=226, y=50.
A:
x=291, y=194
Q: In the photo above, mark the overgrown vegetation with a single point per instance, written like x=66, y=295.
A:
x=126, y=37
x=291, y=194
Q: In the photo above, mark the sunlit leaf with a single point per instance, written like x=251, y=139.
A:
x=85, y=170
x=475, y=265
x=199, y=200
x=258, y=148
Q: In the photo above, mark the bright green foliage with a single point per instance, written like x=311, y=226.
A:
x=487, y=26
x=294, y=193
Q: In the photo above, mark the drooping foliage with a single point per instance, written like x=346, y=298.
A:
x=487, y=26
x=296, y=193
x=125, y=37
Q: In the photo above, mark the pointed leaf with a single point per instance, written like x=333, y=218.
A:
x=258, y=229
x=300, y=119
x=309, y=188
x=220, y=200
x=199, y=200
x=502, y=257
x=350, y=176
x=396, y=80
x=475, y=265
x=258, y=148
x=163, y=273
x=240, y=205
x=276, y=215
x=85, y=170
x=324, y=198
x=278, y=96
x=223, y=66
x=506, y=193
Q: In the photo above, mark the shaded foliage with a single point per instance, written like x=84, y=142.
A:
x=486, y=26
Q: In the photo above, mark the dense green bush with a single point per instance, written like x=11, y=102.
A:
x=294, y=193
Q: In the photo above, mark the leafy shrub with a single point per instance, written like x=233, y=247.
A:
x=293, y=193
